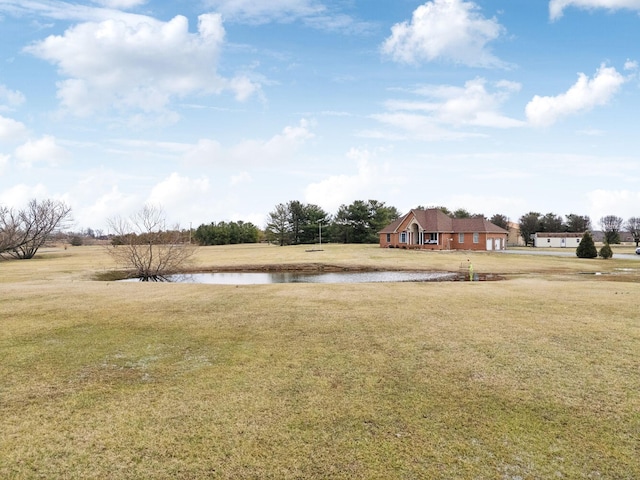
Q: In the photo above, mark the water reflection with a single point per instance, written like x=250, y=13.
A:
x=262, y=278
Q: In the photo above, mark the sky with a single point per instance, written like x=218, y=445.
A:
x=218, y=110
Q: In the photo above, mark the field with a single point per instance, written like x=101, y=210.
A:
x=533, y=377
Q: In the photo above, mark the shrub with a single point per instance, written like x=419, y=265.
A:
x=76, y=241
x=586, y=248
x=606, y=252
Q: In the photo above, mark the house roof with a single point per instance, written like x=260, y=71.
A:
x=476, y=224
x=559, y=235
x=435, y=220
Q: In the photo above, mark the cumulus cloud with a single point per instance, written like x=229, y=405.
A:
x=452, y=30
x=370, y=177
x=557, y=7
x=11, y=130
x=177, y=189
x=584, y=95
x=278, y=148
x=10, y=99
x=182, y=198
x=138, y=63
x=19, y=195
x=44, y=150
x=621, y=203
x=441, y=109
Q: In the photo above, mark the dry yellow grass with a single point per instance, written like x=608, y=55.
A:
x=534, y=377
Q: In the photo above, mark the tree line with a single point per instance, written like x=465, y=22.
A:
x=611, y=225
x=295, y=223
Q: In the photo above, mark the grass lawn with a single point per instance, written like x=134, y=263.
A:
x=533, y=377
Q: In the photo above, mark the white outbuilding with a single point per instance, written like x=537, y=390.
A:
x=557, y=240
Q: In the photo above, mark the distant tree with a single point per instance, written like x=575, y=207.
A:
x=23, y=232
x=551, y=223
x=381, y=216
x=633, y=227
x=461, y=213
x=225, y=233
x=606, y=252
x=611, y=226
x=501, y=221
x=445, y=210
x=529, y=224
x=586, y=247
x=278, y=225
x=143, y=244
x=361, y=221
x=315, y=219
x=297, y=220
x=578, y=223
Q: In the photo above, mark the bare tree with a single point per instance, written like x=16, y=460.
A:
x=611, y=226
x=144, y=245
x=633, y=227
x=23, y=232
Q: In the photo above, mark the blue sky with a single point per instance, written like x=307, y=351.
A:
x=221, y=109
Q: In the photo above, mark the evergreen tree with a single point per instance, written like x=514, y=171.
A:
x=606, y=252
x=586, y=248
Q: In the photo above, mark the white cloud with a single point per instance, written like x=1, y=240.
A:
x=138, y=63
x=621, y=203
x=95, y=212
x=19, y=195
x=445, y=109
x=312, y=13
x=336, y=190
x=182, y=198
x=44, y=150
x=177, y=188
x=204, y=152
x=10, y=99
x=4, y=161
x=125, y=4
x=279, y=148
x=556, y=7
x=263, y=11
x=242, y=177
x=11, y=130
x=60, y=10
x=584, y=95
x=452, y=30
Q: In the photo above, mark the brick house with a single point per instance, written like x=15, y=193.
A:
x=432, y=229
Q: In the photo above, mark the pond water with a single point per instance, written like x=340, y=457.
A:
x=262, y=278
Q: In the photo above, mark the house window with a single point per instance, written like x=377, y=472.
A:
x=430, y=238
x=476, y=237
x=403, y=237
x=461, y=238
x=388, y=238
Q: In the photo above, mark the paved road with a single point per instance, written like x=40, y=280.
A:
x=568, y=253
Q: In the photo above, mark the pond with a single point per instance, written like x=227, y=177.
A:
x=263, y=278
